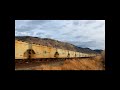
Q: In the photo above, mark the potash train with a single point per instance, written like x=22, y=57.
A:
x=26, y=50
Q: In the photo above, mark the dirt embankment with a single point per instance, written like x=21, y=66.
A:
x=81, y=64
x=95, y=63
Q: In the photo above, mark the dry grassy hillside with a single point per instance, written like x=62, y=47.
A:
x=95, y=63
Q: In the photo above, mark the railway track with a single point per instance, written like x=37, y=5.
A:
x=46, y=60
x=27, y=65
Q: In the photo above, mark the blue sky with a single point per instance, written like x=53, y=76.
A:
x=82, y=33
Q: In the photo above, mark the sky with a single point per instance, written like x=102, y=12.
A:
x=82, y=33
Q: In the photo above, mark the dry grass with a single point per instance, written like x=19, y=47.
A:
x=103, y=56
x=95, y=63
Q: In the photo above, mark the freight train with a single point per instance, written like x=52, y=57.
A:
x=26, y=50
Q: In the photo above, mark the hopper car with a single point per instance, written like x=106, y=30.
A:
x=26, y=50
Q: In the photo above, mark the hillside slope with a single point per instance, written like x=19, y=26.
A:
x=53, y=43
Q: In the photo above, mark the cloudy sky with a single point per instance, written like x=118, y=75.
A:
x=82, y=33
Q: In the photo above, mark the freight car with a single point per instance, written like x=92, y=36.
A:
x=26, y=50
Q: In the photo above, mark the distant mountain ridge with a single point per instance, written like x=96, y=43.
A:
x=98, y=50
x=54, y=43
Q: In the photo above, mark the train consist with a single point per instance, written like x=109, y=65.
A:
x=25, y=50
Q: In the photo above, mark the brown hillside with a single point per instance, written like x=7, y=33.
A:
x=53, y=43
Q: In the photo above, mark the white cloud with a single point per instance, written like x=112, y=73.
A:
x=89, y=33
